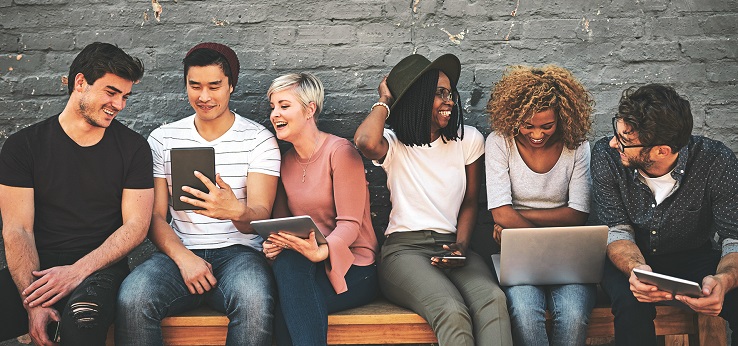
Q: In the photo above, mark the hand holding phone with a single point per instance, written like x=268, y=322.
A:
x=53, y=330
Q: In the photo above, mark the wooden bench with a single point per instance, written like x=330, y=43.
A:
x=384, y=323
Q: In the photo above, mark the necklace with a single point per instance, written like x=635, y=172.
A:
x=309, y=160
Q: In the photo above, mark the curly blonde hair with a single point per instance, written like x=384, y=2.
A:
x=525, y=90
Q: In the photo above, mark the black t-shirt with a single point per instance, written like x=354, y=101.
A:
x=77, y=190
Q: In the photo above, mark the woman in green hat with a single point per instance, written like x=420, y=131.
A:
x=434, y=169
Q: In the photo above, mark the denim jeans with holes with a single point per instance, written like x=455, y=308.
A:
x=86, y=314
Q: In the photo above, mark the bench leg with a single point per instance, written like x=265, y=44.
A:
x=711, y=331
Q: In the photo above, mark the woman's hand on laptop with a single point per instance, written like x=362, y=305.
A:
x=644, y=292
x=497, y=233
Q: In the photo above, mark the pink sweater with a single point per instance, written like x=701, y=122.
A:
x=336, y=195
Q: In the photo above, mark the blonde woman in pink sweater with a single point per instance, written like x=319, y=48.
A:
x=322, y=176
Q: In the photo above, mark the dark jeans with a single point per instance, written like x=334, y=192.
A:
x=306, y=297
x=634, y=320
x=86, y=314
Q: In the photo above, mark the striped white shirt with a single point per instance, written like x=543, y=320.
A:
x=246, y=147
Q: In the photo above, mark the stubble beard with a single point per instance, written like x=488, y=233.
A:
x=84, y=109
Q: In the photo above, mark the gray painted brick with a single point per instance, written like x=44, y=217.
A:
x=636, y=51
x=551, y=28
x=384, y=34
x=608, y=28
x=9, y=42
x=21, y=63
x=296, y=59
x=495, y=31
x=704, y=5
x=627, y=8
x=710, y=49
x=674, y=26
x=464, y=8
x=121, y=38
x=682, y=73
x=329, y=34
x=723, y=72
x=557, y=8
x=40, y=2
x=352, y=10
x=45, y=85
x=361, y=57
x=283, y=35
x=60, y=41
x=721, y=24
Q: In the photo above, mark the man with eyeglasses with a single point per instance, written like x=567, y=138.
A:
x=670, y=200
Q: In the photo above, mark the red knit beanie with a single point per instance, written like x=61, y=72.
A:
x=227, y=54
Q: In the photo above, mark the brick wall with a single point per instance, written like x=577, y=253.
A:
x=609, y=44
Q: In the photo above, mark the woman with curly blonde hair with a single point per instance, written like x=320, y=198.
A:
x=537, y=164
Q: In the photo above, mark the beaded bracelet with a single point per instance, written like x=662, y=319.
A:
x=383, y=105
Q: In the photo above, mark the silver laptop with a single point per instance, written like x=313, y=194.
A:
x=551, y=255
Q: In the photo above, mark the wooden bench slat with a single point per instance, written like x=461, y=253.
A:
x=381, y=322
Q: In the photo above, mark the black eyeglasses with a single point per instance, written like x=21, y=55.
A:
x=445, y=94
x=622, y=146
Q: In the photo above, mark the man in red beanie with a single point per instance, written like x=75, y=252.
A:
x=210, y=255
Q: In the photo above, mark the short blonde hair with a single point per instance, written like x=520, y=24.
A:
x=306, y=86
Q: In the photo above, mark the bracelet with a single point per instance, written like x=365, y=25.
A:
x=383, y=105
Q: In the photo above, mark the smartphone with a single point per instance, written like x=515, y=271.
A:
x=53, y=331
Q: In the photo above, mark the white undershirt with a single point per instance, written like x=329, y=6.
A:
x=661, y=187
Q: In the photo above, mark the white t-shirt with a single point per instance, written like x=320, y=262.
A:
x=511, y=182
x=246, y=147
x=427, y=184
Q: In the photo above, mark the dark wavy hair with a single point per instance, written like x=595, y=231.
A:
x=98, y=58
x=658, y=114
x=207, y=57
x=411, y=116
x=524, y=91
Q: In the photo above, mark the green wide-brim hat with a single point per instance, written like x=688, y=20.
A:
x=409, y=69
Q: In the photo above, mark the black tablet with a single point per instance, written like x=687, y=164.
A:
x=299, y=226
x=670, y=284
x=185, y=161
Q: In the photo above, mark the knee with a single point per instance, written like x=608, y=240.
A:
x=451, y=312
x=252, y=298
x=631, y=308
x=571, y=317
x=291, y=262
x=526, y=314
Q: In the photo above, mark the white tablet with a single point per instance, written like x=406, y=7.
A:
x=670, y=284
x=299, y=226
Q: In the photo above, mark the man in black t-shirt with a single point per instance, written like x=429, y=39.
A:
x=76, y=194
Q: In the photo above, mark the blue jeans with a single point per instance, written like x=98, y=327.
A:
x=306, y=297
x=570, y=307
x=155, y=289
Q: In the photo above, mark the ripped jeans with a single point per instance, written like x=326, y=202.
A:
x=86, y=314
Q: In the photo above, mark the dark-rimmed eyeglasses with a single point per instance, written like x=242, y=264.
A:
x=621, y=146
x=445, y=94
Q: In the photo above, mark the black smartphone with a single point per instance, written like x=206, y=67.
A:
x=53, y=331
